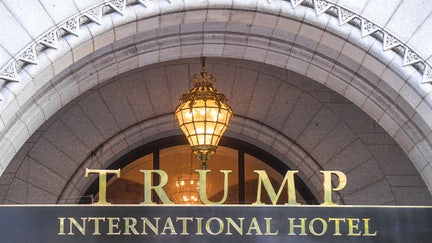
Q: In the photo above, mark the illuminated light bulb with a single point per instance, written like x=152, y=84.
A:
x=188, y=116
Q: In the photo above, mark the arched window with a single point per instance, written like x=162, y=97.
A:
x=174, y=156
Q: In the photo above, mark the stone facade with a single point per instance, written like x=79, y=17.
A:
x=319, y=84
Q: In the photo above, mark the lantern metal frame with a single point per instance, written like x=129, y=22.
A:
x=203, y=115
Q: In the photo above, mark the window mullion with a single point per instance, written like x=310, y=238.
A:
x=241, y=177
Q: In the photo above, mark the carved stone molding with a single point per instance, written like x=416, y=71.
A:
x=11, y=71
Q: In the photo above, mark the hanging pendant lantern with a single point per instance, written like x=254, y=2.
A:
x=203, y=115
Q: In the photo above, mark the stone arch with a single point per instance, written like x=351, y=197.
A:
x=309, y=132
x=144, y=132
x=406, y=120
